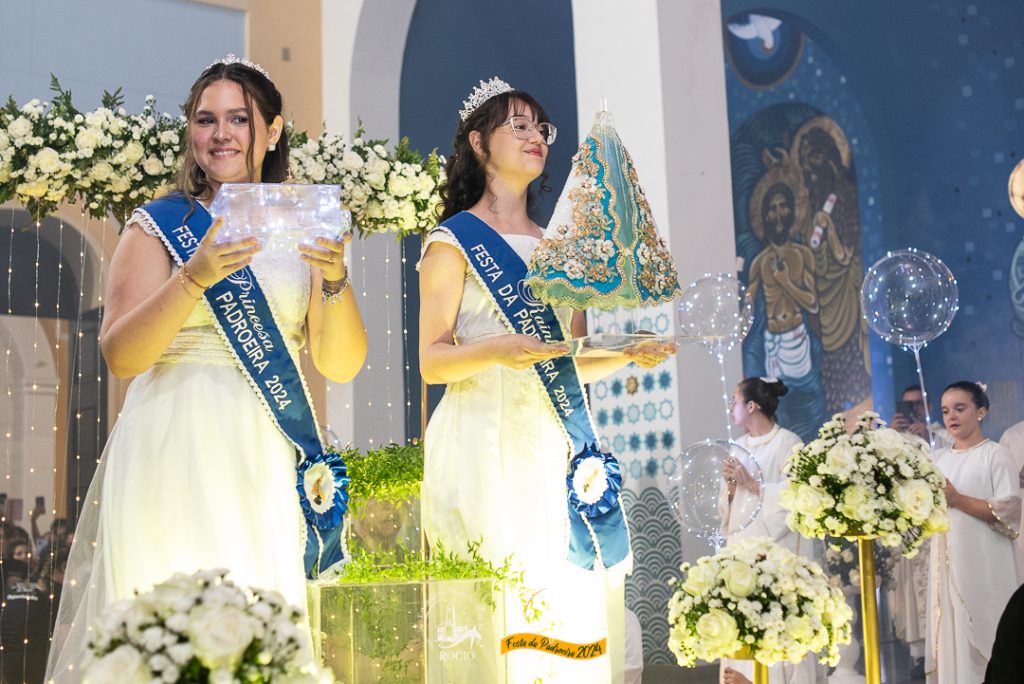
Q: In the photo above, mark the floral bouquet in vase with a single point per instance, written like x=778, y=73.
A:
x=875, y=482
x=758, y=600
x=201, y=628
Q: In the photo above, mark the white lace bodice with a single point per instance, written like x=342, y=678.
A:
x=282, y=276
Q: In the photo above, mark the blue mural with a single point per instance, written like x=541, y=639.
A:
x=930, y=120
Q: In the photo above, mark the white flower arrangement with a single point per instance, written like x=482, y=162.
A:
x=201, y=628
x=875, y=482
x=113, y=161
x=760, y=599
x=387, y=191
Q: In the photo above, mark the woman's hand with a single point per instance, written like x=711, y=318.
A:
x=522, y=351
x=650, y=354
x=212, y=262
x=734, y=472
x=327, y=255
x=952, y=495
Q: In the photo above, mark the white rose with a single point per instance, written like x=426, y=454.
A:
x=87, y=139
x=399, y=185
x=164, y=598
x=37, y=188
x=123, y=665
x=351, y=161
x=408, y=214
x=19, y=128
x=810, y=501
x=719, y=632
x=699, y=579
x=841, y=459
x=740, y=579
x=219, y=635
x=375, y=180
x=133, y=152
x=101, y=171
x=358, y=194
x=47, y=160
x=120, y=184
x=5, y=141
x=316, y=171
x=180, y=653
x=857, y=503
x=915, y=499
x=153, y=166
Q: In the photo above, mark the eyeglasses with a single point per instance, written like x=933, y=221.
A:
x=523, y=128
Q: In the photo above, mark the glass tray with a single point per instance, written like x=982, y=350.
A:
x=281, y=215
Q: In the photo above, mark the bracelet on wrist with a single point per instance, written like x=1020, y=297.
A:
x=331, y=291
x=184, y=269
x=184, y=285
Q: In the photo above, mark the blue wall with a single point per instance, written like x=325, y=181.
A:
x=930, y=95
x=155, y=47
x=451, y=46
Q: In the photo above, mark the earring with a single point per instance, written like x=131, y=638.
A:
x=271, y=147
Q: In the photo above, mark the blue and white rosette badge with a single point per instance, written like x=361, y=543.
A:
x=594, y=483
x=323, y=494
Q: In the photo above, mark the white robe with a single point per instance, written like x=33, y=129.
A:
x=771, y=451
x=1013, y=440
x=972, y=571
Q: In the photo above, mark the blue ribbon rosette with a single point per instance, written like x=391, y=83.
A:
x=595, y=533
x=323, y=494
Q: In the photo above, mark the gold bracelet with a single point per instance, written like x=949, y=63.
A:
x=181, y=279
x=191, y=279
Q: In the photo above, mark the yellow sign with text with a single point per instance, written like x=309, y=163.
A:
x=565, y=649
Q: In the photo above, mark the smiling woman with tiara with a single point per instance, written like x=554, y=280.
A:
x=512, y=459
x=200, y=471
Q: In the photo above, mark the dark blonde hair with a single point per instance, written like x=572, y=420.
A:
x=256, y=88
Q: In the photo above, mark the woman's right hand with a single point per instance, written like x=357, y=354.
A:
x=212, y=262
x=519, y=352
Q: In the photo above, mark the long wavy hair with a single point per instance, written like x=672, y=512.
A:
x=466, y=177
x=257, y=90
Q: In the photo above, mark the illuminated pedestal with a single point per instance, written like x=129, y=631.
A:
x=431, y=631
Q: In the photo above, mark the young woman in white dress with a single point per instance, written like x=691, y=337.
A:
x=496, y=454
x=195, y=474
x=972, y=570
x=754, y=404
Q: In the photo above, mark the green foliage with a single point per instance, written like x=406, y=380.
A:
x=391, y=474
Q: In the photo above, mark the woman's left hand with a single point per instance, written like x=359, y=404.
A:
x=734, y=471
x=328, y=255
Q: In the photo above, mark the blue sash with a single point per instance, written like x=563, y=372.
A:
x=247, y=324
x=598, y=535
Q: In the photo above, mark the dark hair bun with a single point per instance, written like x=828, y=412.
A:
x=764, y=392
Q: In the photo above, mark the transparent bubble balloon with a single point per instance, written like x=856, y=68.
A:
x=715, y=311
x=909, y=298
x=699, y=492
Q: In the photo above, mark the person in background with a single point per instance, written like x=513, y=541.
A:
x=972, y=569
x=910, y=417
x=25, y=621
x=754, y=405
x=1013, y=440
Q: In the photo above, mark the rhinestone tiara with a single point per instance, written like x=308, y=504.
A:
x=482, y=93
x=232, y=59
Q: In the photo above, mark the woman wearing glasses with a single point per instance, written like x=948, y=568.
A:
x=497, y=447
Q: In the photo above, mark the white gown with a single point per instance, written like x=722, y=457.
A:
x=972, y=572
x=495, y=468
x=770, y=451
x=195, y=476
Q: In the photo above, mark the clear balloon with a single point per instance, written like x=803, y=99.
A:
x=698, y=490
x=715, y=311
x=909, y=298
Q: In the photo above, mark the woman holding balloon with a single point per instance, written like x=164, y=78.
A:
x=753, y=408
